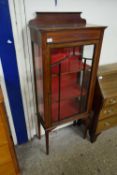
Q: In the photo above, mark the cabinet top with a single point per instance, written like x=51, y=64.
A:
x=107, y=69
x=108, y=80
x=59, y=21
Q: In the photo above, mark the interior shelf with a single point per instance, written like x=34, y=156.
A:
x=67, y=70
x=60, y=54
x=71, y=65
x=67, y=108
x=69, y=87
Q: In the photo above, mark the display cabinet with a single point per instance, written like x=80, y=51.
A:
x=65, y=55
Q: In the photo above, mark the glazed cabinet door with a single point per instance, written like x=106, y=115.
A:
x=70, y=76
x=38, y=75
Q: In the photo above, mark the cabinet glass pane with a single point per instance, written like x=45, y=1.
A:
x=70, y=78
x=39, y=78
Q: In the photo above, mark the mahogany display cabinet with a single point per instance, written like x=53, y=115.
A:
x=66, y=53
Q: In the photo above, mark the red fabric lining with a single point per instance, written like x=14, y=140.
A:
x=67, y=108
x=73, y=64
x=70, y=89
x=69, y=92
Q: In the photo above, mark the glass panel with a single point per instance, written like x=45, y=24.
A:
x=39, y=78
x=71, y=70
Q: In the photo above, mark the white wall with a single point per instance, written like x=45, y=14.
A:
x=19, y=28
x=102, y=12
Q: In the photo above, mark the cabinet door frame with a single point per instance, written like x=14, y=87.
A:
x=47, y=73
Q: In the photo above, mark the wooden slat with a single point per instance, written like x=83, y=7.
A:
x=108, y=85
x=107, y=69
x=106, y=124
x=5, y=156
x=3, y=138
x=75, y=35
x=1, y=96
x=7, y=152
x=110, y=101
x=108, y=111
x=7, y=169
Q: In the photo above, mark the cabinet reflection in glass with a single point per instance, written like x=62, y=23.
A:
x=70, y=78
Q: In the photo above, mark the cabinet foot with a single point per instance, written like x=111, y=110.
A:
x=94, y=137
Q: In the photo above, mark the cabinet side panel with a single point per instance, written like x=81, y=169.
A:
x=94, y=70
x=39, y=79
x=97, y=105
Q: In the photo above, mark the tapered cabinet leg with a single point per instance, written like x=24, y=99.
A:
x=47, y=141
x=94, y=137
x=39, y=128
x=86, y=127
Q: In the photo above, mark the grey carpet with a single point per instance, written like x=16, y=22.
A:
x=70, y=154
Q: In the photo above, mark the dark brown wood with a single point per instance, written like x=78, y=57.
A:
x=8, y=159
x=39, y=128
x=94, y=137
x=36, y=90
x=75, y=35
x=46, y=82
x=94, y=71
x=105, y=101
x=97, y=105
x=57, y=19
x=47, y=141
x=63, y=30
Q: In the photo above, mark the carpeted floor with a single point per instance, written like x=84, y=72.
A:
x=70, y=154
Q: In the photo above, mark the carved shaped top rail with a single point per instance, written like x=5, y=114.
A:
x=56, y=19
